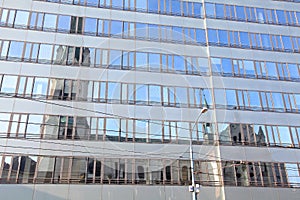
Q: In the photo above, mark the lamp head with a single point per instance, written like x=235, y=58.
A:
x=204, y=110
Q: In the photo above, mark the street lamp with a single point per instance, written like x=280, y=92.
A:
x=192, y=187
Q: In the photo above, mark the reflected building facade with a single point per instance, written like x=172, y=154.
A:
x=101, y=98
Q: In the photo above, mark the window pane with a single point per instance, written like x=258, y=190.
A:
x=112, y=129
x=45, y=53
x=153, y=6
x=266, y=41
x=220, y=11
x=260, y=134
x=179, y=64
x=210, y=9
x=9, y=84
x=154, y=61
x=21, y=18
x=90, y=26
x=141, y=5
x=293, y=174
x=220, y=98
x=15, y=50
x=4, y=49
x=141, y=30
x=272, y=72
x=227, y=66
x=141, y=94
x=231, y=99
x=115, y=59
x=294, y=71
x=40, y=87
x=249, y=68
x=34, y=126
x=141, y=60
x=224, y=133
x=287, y=43
x=285, y=136
x=216, y=65
x=49, y=22
x=117, y=3
x=181, y=97
x=212, y=36
x=4, y=121
x=254, y=100
x=278, y=101
x=154, y=94
x=281, y=17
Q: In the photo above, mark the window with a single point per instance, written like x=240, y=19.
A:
x=244, y=39
x=115, y=58
x=210, y=9
x=21, y=19
x=278, y=101
x=216, y=66
x=4, y=122
x=116, y=28
x=90, y=26
x=15, y=50
x=220, y=98
x=154, y=62
x=34, y=126
x=212, y=36
x=285, y=137
x=154, y=95
x=40, y=87
x=141, y=5
x=293, y=174
x=117, y=4
x=141, y=60
x=112, y=129
x=9, y=84
x=49, y=22
x=224, y=134
x=153, y=6
x=220, y=11
x=231, y=99
x=142, y=94
x=45, y=53
x=254, y=99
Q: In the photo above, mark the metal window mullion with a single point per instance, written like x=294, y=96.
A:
x=97, y=127
x=2, y=165
x=18, y=125
x=80, y=52
x=102, y=170
x=254, y=173
x=11, y=118
x=104, y=128
x=18, y=169
x=66, y=127
x=70, y=159
x=74, y=127
x=32, y=86
x=297, y=138
x=10, y=169
x=94, y=169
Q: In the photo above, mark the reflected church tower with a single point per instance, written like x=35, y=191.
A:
x=66, y=127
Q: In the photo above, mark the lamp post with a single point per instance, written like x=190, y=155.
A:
x=193, y=188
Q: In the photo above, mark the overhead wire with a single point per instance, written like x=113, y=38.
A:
x=107, y=114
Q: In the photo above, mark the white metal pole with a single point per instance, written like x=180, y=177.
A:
x=194, y=194
x=192, y=169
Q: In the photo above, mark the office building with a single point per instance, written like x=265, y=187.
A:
x=100, y=99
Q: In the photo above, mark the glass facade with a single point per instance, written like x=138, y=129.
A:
x=110, y=92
